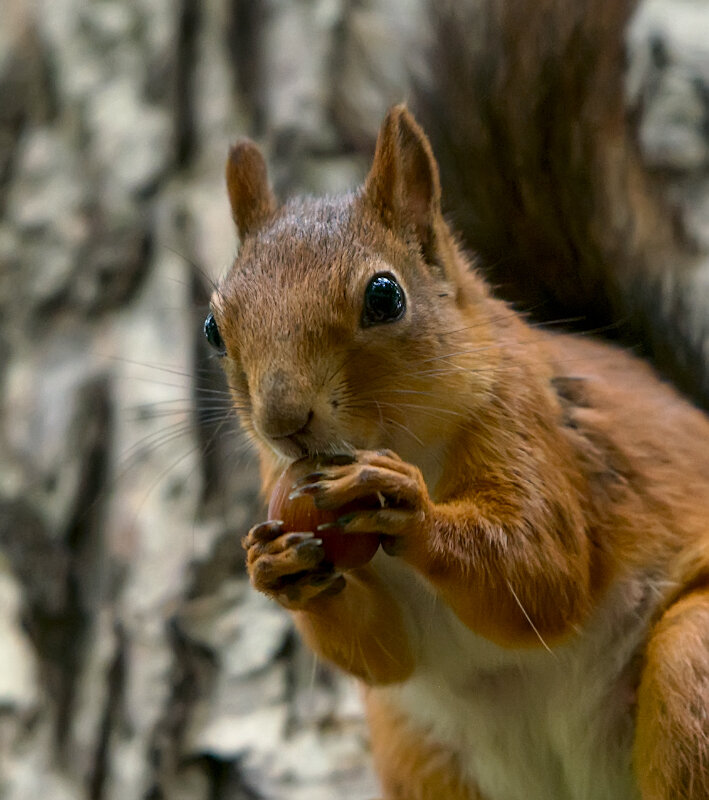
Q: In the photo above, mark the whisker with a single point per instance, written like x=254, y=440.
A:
x=344, y=363
x=413, y=391
x=529, y=620
x=149, y=365
x=404, y=428
x=207, y=277
x=468, y=351
x=145, y=413
x=151, y=487
x=464, y=423
x=422, y=408
x=156, y=439
x=197, y=390
x=153, y=441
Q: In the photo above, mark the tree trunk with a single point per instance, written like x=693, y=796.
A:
x=136, y=661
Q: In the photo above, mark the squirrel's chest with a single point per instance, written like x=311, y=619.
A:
x=524, y=725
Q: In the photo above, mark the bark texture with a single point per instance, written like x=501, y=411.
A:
x=136, y=661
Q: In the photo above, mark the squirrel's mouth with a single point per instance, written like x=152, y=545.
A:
x=303, y=446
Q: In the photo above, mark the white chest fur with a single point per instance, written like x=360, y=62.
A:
x=526, y=724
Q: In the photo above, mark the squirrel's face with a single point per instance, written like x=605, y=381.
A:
x=344, y=324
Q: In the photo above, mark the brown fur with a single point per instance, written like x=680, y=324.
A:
x=672, y=745
x=252, y=201
x=411, y=769
x=544, y=178
x=373, y=645
x=524, y=473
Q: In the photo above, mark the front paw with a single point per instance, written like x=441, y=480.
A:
x=403, y=508
x=290, y=567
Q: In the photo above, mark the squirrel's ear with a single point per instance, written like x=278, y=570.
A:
x=403, y=183
x=250, y=195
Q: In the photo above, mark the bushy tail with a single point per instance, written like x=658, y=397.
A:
x=543, y=177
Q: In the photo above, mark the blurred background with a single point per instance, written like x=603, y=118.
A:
x=135, y=662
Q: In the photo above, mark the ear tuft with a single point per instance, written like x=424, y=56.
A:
x=252, y=201
x=403, y=184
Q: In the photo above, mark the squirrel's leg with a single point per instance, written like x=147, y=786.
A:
x=350, y=619
x=409, y=767
x=672, y=734
x=517, y=575
x=360, y=629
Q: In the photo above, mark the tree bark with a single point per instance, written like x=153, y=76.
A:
x=137, y=662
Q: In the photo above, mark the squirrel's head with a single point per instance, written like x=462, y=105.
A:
x=347, y=322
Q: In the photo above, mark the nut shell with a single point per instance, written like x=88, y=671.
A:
x=343, y=550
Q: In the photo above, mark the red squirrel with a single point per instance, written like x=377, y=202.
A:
x=536, y=623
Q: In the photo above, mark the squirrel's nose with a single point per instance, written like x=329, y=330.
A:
x=283, y=409
x=285, y=423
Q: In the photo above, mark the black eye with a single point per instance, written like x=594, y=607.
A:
x=211, y=331
x=384, y=300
